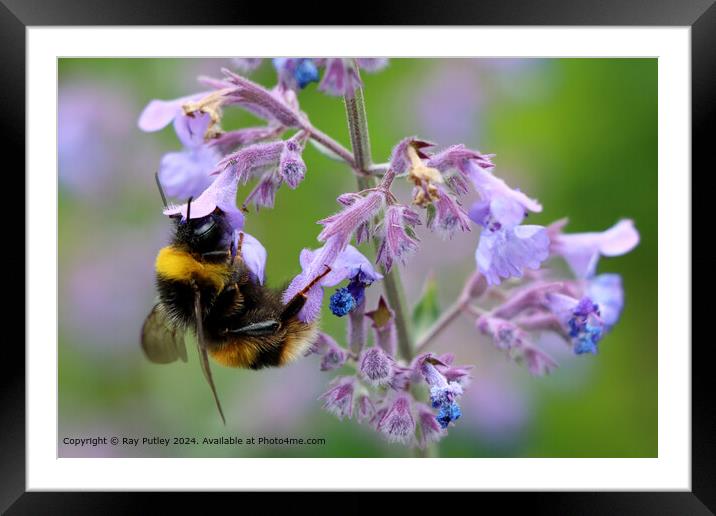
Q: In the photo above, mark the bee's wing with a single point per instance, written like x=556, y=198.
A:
x=162, y=341
x=203, y=353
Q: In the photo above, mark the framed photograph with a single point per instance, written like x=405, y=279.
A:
x=425, y=258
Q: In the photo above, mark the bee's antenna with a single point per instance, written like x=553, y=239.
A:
x=188, y=208
x=161, y=190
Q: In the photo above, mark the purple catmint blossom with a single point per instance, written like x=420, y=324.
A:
x=607, y=292
x=401, y=160
x=365, y=409
x=506, y=248
x=237, y=167
x=430, y=431
x=582, y=250
x=449, y=215
x=505, y=334
x=505, y=253
x=346, y=264
x=185, y=173
x=443, y=393
x=518, y=344
x=375, y=366
x=397, y=423
x=398, y=239
x=296, y=73
x=264, y=193
x=269, y=105
x=340, y=76
x=160, y=113
x=343, y=224
x=538, y=362
x=458, y=157
x=332, y=355
x=581, y=319
x=244, y=163
x=230, y=141
x=338, y=400
x=246, y=64
x=291, y=166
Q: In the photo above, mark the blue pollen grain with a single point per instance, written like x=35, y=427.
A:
x=342, y=302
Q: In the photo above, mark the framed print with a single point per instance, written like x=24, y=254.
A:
x=450, y=258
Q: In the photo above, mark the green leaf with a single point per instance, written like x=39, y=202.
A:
x=427, y=309
x=430, y=214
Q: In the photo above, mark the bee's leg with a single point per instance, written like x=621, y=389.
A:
x=235, y=247
x=258, y=329
x=212, y=254
x=296, y=302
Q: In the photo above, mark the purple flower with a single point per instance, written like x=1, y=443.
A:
x=346, y=264
x=449, y=215
x=245, y=162
x=246, y=64
x=360, y=276
x=400, y=158
x=253, y=254
x=192, y=129
x=160, y=113
x=333, y=355
x=384, y=327
x=580, y=318
x=342, y=225
x=582, y=250
x=366, y=409
x=338, y=400
x=490, y=186
x=375, y=366
x=441, y=391
x=505, y=253
x=372, y=64
x=398, y=237
x=231, y=140
x=221, y=193
x=457, y=157
x=272, y=106
x=509, y=337
x=340, y=77
x=295, y=73
x=606, y=290
x=430, y=430
x=264, y=193
x=291, y=165
x=185, y=174
x=538, y=362
x=505, y=335
x=397, y=423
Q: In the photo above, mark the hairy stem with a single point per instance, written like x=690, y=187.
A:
x=474, y=287
x=332, y=145
x=360, y=141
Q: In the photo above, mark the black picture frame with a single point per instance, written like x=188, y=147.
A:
x=17, y=15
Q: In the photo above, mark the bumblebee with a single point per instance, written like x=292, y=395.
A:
x=204, y=285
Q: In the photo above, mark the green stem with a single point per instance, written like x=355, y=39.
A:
x=360, y=142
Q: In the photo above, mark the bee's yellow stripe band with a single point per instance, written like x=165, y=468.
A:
x=175, y=264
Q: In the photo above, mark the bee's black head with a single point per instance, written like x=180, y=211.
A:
x=205, y=234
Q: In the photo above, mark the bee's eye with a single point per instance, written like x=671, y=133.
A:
x=205, y=228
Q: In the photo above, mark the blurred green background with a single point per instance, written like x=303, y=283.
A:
x=578, y=134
